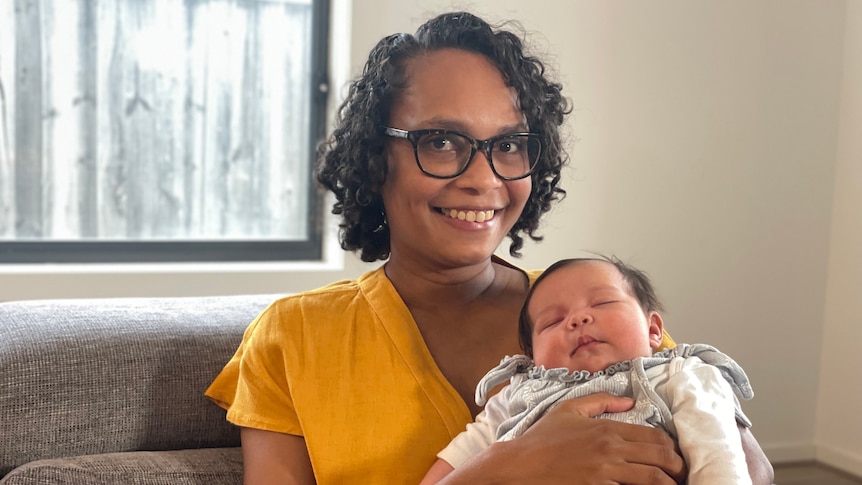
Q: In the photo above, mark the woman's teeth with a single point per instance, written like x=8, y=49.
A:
x=469, y=216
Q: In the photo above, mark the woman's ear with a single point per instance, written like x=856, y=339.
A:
x=656, y=329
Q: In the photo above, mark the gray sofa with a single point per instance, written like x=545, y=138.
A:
x=110, y=391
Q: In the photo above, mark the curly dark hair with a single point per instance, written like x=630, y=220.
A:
x=352, y=163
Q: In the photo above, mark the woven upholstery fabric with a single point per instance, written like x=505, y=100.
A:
x=216, y=466
x=81, y=377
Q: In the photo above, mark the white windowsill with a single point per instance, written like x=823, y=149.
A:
x=100, y=280
x=335, y=264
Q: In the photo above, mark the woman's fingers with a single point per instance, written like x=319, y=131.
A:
x=595, y=404
x=661, y=459
x=619, y=452
x=637, y=474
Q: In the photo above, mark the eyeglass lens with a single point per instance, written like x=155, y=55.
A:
x=446, y=154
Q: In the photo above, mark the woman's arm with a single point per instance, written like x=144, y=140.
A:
x=566, y=446
x=759, y=468
x=271, y=458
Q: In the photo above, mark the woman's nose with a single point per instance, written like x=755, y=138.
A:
x=479, y=174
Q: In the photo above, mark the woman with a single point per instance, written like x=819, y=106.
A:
x=447, y=143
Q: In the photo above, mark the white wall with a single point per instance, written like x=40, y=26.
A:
x=703, y=147
x=838, y=431
x=706, y=156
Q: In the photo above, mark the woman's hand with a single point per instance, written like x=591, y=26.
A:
x=567, y=446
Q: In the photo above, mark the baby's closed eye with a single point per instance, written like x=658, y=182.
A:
x=605, y=302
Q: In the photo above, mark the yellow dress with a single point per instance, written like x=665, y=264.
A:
x=345, y=367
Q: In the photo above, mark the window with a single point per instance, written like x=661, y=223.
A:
x=160, y=130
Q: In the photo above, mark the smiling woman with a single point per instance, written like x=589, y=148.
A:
x=365, y=380
x=160, y=130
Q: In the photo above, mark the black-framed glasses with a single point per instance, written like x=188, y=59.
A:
x=446, y=154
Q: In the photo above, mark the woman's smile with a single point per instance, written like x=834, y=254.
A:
x=469, y=215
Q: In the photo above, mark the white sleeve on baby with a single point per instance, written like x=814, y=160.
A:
x=480, y=433
x=704, y=413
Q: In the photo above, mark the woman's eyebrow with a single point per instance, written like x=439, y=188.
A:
x=455, y=125
x=515, y=128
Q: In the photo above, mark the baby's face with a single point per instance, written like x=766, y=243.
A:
x=585, y=318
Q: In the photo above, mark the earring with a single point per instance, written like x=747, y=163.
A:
x=383, y=224
x=363, y=197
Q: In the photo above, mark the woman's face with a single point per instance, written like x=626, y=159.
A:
x=456, y=90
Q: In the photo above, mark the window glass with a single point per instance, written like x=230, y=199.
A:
x=146, y=130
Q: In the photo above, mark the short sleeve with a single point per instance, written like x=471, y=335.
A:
x=253, y=386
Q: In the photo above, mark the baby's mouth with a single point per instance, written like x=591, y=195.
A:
x=582, y=341
x=469, y=215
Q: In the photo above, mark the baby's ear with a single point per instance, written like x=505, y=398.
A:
x=656, y=329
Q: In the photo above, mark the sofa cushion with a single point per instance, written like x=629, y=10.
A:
x=213, y=466
x=83, y=377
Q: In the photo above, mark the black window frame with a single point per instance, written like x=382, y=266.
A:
x=210, y=251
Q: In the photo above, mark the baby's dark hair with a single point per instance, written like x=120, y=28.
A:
x=639, y=284
x=352, y=163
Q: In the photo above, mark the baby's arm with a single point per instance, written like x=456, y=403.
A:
x=437, y=472
x=704, y=414
x=478, y=436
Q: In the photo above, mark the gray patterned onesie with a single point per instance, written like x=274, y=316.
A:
x=687, y=391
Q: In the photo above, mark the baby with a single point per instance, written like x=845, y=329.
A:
x=592, y=325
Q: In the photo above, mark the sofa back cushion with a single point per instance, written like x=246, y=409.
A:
x=82, y=377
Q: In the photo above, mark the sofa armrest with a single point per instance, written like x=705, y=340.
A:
x=83, y=377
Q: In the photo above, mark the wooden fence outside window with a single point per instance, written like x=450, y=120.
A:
x=154, y=119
